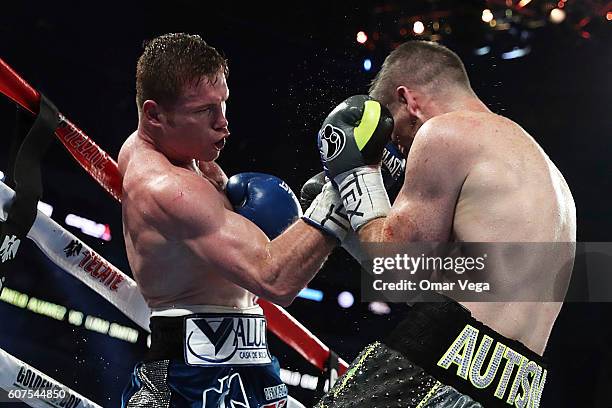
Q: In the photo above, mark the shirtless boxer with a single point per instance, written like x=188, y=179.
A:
x=199, y=263
x=471, y=176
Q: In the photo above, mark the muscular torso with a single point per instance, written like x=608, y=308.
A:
x=513, y=193
x=167, y=272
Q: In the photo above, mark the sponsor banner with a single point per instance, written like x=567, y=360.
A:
x=487, y=272
x=21, y=382
x=79, y=143
x=75, y=257
x=226, y=339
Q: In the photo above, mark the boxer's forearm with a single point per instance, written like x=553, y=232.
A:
x=293, y=260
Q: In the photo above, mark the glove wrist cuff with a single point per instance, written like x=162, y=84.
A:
x=327, y=213
x=327, y=231
x=363, y=194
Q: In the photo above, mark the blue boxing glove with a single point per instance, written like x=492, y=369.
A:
x=264, y=199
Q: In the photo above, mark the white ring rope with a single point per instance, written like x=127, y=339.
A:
x=86, y=265
x=36, y=388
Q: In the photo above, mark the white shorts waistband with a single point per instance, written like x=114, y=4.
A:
x=184, y=310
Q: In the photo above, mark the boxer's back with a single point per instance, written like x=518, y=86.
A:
x=513, y=193
x=167, y=272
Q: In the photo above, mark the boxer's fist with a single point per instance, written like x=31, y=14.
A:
x=311, y=189
x=265, y=200
x=393, y=167
x=323, y=207
x=354, y=135
x=351, y=140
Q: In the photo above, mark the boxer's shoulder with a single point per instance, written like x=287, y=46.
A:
x=460, y=125
x=126, y=152
x=166, y=195
x=449, y=139
x=178, y=187
x=468, y=135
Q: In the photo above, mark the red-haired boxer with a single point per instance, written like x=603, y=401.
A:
x=471, y=176
x=197, y=244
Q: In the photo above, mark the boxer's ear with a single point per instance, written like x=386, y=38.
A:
x=408, y=99
x=152, y=113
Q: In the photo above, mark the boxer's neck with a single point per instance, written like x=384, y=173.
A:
x=212, y=172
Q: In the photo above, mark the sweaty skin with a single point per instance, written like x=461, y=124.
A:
x=474, y=176
x=184, y=243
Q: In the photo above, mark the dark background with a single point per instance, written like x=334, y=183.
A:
x=289, y=65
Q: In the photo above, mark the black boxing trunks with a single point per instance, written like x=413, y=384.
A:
x=439, y=356
x=217, y=357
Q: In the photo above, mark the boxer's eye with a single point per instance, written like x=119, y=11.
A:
x=204, y=108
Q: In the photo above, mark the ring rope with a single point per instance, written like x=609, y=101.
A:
x=36, y=388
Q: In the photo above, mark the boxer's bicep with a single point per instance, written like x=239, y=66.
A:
x=193, y=217
x=275, y=270
x=235, y=248
x=435, y=171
